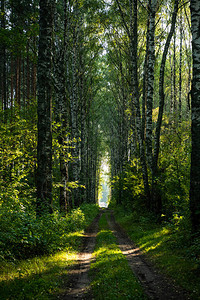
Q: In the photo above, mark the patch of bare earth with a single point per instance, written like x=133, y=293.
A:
x=79, y=282
x=155, y=285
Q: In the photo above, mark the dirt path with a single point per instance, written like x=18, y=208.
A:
x=155, y=285
x=78, y=285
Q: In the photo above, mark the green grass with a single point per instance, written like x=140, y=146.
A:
x=45, y=277
x=111, y=276
x=39, y=277
x=163, y=247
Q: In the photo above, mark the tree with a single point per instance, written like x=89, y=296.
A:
x=157, y=200
x=44, y=147
x=3, y=77
x=195, y=105
x=150, y=85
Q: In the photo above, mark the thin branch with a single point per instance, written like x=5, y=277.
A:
x=123, y=19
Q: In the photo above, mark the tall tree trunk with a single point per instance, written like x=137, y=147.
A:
x=34, y=73
x=74, y=105
x=134, y=43
x=61, y=112
x=145, y=83
x=174, y=76
x=44, y=147
x=150, y=87
x=180, y=69
x=195, y=105
x=3, y=75
x=18, y=81
x=171, y=87
x=157, y=200
x=11, y=83
x=27, y=74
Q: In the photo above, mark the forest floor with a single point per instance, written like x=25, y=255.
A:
x=154, y=284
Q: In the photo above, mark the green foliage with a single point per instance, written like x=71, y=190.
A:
x=111, y=276
x=128, y=188
x=174, y=177
x=18, y=161
x=23, y=235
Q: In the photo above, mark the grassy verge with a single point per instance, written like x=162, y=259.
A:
x=37, y=278
x=111, y=276
x=166, y=247
x=43, y=277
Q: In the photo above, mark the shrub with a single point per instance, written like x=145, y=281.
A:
x=24, y=236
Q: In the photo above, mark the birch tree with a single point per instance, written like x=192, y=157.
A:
x=157, y=199
x=150, y=84
x=3, y=75
x=195, y=106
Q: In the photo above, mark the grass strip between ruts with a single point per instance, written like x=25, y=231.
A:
x=111, y=276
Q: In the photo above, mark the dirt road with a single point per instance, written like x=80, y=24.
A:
x=155, y=285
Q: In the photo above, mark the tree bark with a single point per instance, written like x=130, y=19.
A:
x=195, y=106
x=3, y=75
x=44, y=84
x=180, y=69
x=134, y=43
x=157, y=199
x=150, y=86
x=161, y=86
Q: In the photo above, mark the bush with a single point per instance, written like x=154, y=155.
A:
x=24, y=236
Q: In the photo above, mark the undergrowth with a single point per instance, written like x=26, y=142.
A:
x=25, y=236
x=111, y=276
x=168, y=245
x=58, y=239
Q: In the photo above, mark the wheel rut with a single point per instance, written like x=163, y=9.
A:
x=79, y=282
x=155, y=285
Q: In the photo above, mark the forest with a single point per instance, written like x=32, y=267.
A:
x=99, y=101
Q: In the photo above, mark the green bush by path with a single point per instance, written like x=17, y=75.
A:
x=111, y=276
x=41, y=277
x=25, y=236
x=168, y=245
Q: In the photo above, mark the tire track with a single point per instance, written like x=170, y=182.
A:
x=79, y=282
x=155, y=285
